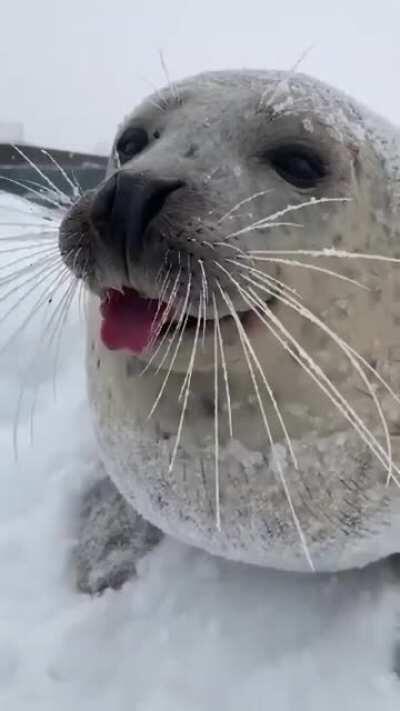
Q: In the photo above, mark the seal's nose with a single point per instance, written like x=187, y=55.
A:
x=126, y=204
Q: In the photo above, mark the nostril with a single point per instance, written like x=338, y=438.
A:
x=126, y=204
x=156, y=199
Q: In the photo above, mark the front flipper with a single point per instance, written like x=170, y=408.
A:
x=112, y=537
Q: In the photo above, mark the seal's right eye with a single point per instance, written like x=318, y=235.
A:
x=133, y=141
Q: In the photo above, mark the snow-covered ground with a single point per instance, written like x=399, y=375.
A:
x=191, y=633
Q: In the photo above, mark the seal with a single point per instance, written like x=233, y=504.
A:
x=243, y=348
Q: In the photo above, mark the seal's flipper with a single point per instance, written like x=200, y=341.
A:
x=112, y=537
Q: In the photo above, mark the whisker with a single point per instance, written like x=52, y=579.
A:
x=45, y=249
x=34, y=270
x=31, y=209
x=187, y=381
x=266, y=221
x=42, y=341
x=48, y=235
x=263, y=224
x=164, y=318
x=76, y=191
x=184, y=316
x=38, y=193
x=172, y=86
x=63, y=308
x=311, y=267
x=38, y=304
x=204, y=286
x=264, y=278
x=25, y=224
x=248, y=351
x=216, y=431
x=306, y=313
x=224, y=368
x=281, y=286
x=268, y=388
x=44, y=177
x=331, y=252
x=243, y=202
x=319, y=377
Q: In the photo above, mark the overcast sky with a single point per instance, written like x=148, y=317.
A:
x=70, y=69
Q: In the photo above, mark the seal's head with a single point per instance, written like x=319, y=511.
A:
x=193, y=184
x=219, y=252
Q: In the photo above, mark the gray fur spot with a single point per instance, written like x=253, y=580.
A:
x=191, y=151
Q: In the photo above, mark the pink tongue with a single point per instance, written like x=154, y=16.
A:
x=128, y=320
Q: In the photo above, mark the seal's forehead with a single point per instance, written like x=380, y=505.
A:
x=271, y=92
x=274, y=93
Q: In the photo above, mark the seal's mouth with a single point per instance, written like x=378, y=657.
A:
x=132, y=322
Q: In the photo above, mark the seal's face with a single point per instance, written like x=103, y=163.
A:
x=197, y=181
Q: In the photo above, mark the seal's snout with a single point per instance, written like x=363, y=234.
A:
x=127, y=203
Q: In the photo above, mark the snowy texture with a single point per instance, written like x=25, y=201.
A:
x=191, y=632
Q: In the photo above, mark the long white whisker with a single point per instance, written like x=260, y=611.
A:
x=47, y=293
x=268, y=388
x=263, y=224
x=280, y=285
x=204, y=286
x=38, y=193
x=247, y=350
x=76, y=191
x=271, y=219
x=266, y=279
x=37, y=305
x=306, y=313
x=224, y=368
x=302, y=357
x=216, y=423
x=328, y=252
x=38, y=252
x=44, y=177
x=164, y=318
x=184, y=316
x=243, y=202
x=311, y=267
x=187, y=388
x=34, y=270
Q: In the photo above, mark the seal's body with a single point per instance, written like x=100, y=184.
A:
x=232, y=213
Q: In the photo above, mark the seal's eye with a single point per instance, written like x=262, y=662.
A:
x=131, y=143
x=298, y=165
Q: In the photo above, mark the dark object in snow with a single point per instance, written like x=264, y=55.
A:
x=112, y=537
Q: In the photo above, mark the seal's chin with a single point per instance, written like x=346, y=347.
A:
x=135, y=323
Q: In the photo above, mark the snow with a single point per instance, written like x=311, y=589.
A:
x=191, y=632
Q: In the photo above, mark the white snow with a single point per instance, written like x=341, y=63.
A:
x=191, y=633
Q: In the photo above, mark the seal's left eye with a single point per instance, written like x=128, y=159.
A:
x=298, y=165
x=131, y=143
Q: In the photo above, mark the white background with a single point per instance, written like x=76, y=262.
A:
x=72, y=69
